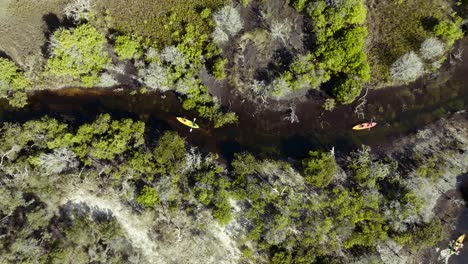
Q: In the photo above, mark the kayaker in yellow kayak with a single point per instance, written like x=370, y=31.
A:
x=457, y=245
x=363, y=126
x=188, y=123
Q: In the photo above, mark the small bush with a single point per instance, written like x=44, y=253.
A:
x=245, y=3
x=127, y=48
x=218, y=69
x=347, y=90
x=280, y=88
x=280, y=30
x=449, y=31
x=432, y=48
x=407, y=68
x=222, y=212
x=219, y=36
x=13, y=83
x=148, y=197
x=329, y=104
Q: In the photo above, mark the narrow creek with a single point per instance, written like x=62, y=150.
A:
x=398, y=111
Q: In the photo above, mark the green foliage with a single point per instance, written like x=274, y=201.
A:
x=339, y=49
x=104, y=139
x=329, y=104
x=449, y=31
x=169, y=154
x=245, y=3
x=222, y=119
x=361, y=209
x=13, y=83
x=422, y=238
x=328, y=20
x=218, y=69
x=345, y=54
x=299, y=4
x=148, y=197
x=79, y=53
x=430, y=169
x=104, y=238
x=319, y=168
x=302, y=73
x=38, y=132
x=127, y=47
x=244, y=164
x=365, y=171
x=222, y=212
x=347, y=90
x=282, y=258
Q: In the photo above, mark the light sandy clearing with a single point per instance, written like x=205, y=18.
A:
x=133, y=226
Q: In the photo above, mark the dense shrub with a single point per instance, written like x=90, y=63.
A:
x=339, y=49
x=347, y=90
x=148, y=197
x=128, y=48
x=79, y=53
x=319, y=168
x=218, y=69
x=449, y=31
x=13, y=83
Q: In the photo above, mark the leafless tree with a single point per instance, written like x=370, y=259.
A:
x=432, y=48
x=292, y=117
x=228, y=23
x=59, y=160
x=407, y=68
x=78, y=10
x=359, y=109
x=281, y=29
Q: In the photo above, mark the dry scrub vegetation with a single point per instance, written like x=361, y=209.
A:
x=397, y=27
x=162, y=21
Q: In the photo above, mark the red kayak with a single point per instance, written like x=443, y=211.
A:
x=363, y=126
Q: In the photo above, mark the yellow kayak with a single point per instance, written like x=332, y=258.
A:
x=458, y=244
x=363, y=126
x=187, y=122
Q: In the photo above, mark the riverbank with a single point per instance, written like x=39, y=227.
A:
x=448, y=139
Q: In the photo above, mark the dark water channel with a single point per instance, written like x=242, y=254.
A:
x=398, y=110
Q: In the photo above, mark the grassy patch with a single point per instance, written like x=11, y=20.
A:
x=22, y=27
x=396, y=27
x=162, y=20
